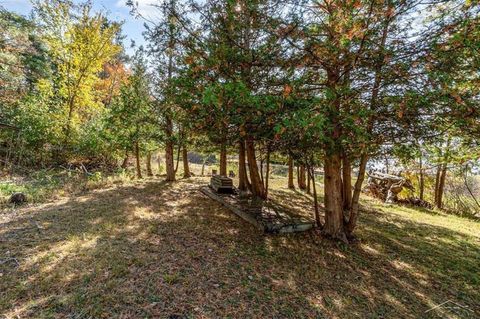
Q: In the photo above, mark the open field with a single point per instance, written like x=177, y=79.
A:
x=156, y=250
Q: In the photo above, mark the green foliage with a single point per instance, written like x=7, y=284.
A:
x=23, y=59
x=79, y=44
x=343, y=80
x=58, y=58
x=130, y=118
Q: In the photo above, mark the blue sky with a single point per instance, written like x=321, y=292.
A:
x=116, y=10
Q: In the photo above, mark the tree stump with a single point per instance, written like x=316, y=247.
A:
x=18, y=198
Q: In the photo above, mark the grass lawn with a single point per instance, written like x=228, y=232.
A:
x=156, y=250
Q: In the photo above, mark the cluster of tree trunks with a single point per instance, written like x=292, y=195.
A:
x=256, y=185
x=254, y=180
x=341, y=201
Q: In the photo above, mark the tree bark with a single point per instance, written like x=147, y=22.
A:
x=68, y=126
x=267, y=173
x=125, y=160
x=149, y=164
x=301, y=178
x=169, y=165
x=441, y=186
x=298, y=175
x=422, y=179
x=186, y=168
x=257, y=187
x=308, y=182
x=137, y=156
x=347, y=183
x=437, y=183
x=242, y=170
x=354, y=206
x=334, y=221
x=291, y=185
x=261, y=169
x=311, y=176
x=223, y=160
x=169, y=121
x=179, y=150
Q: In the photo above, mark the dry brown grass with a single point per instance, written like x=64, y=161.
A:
x=158, y=250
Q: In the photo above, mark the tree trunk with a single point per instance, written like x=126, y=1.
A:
x=203, y=165
x=378, y=64
x=437, y=183
x=125, y=160
x=298, y=175
x=261, y=169
x=302, y=183
x=68, y=127
x=178, y=158
x=334, y=222
x=186, y=169
x=169, y=151
x=149, y=164
x=311, y=173
x=291, y=185
x=347, y=183
x=242, y=169
x=267, y=173
x=308, y=182
x=441, y=186
x=137, y=156
x=223, y=160
x=354, y=206
x=257, y=187
x=169, y=124
x=422, y=179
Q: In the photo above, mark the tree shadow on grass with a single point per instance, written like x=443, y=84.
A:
x=161, y=250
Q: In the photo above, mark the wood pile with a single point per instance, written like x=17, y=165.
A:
x=385, y=186
x=221, y=184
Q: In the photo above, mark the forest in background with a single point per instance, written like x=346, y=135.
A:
x=340, y=86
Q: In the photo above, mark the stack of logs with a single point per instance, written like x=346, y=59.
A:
x=385, y=186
